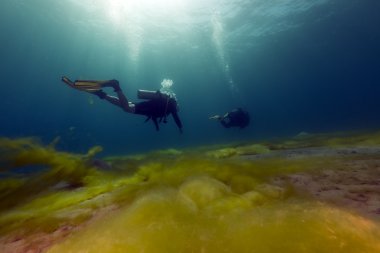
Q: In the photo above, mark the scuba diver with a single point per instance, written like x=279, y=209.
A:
x=234, y=118
x=157, y=106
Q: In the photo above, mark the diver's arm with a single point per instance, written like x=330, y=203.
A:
x=177, y=120
x=156, y=123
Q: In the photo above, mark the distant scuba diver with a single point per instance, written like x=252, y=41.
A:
x=157, y=106
x=235, y=118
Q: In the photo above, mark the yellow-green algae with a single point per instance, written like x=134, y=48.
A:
x=197, y=200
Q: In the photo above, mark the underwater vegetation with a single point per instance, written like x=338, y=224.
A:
x=253, y=197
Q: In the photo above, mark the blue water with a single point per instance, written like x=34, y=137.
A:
x=295, y=65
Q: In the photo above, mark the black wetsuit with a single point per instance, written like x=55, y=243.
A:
x=236, y=118
x=158, y=108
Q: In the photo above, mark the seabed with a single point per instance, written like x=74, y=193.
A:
x=310, y=193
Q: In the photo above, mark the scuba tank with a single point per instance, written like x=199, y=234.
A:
x=149, y=94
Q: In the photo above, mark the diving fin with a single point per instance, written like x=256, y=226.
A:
x=84, y=85
x=91, y=84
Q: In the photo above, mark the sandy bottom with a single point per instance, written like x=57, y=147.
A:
x=354, y=184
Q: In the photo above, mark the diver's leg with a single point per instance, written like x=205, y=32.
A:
x=216, y=117
x=121, y=100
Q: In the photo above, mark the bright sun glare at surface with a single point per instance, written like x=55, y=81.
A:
x=130, y=9
x=149, y=27
x=135, y=15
